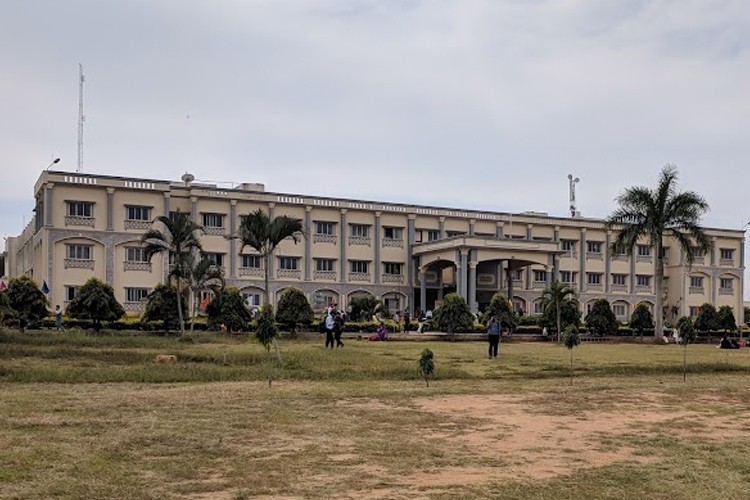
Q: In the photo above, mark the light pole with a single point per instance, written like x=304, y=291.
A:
x=56, y=160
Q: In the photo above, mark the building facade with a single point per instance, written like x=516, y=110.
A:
x=407, y=255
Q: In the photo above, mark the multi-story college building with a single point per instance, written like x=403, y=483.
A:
x=407, y=255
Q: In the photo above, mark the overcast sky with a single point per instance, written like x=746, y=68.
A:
x=473, y=104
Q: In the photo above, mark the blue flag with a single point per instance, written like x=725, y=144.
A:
x=45, y=288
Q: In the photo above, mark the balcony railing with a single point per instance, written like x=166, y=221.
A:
x=324, y=238
x=642, y=288
x=571, y=254
x=517, y=282
x=696, y=290
x=393, y=278
x=134, y=306
x=619, y=288
x=325, y=275
x=699, y=260
x=79, y=263
x=539, y=285
x=137, y=224
x=392, y=242
x=137, y=266
x=359, y=276
x=593, y=286
x=726, y=291
x=644, y=258
x=726, y=262
x=79, y=221
x=251, y=271
x=213, y=231
x=594, y=256
x=360, y=240
x=288, y=273
x=620, y=256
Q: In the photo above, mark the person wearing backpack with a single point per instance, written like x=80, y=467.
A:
x=493, y=334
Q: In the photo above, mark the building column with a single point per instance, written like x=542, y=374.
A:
x=529, y=228
x=607, y=263
x=166, y=204
x=342, y=240
x=582, y=262
x=509, y=277
x=194, y=209
x=377, y=249
x=472, y=223
x=48, y=206
x=110, y=209
x=499, y=229
x=308, y=243
x=473, y=286
x=441, y=227
x=411, y=236
x=422, y=289
x=270, y=261
x=499, y=276
x=233, y=242
x=632, y=274
x=529, y=281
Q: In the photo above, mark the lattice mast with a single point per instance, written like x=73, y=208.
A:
x=81, y=117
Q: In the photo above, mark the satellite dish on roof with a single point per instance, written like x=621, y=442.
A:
x=187, y=178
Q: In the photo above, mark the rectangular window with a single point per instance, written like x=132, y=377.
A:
x=418, y=236
x=619, y=279
x=393, y=233
x=726, y=283
x=136, y=294
x=594, y=246
x=289, y=263
x=135, y=254
x=360, y=230
x=644, y=250
x=594, y=278
x=569, y=245
x=79, y=252
x=325, y=227
x=213, y=220
x=433, y=235
x=540, y=276
x=726, y=253
x=697, y=253
x=252, y=299
x=217, y=259
x=618, y=309
x=138, y=213
x=450, y=234
x=696, y=281
x=642, y=280
x=251, y=261
x=392, y=268
x=359, y=266
x=694, y=310
x=70, y=292
x=80, y=209
x=567, y=276
x=325, y=265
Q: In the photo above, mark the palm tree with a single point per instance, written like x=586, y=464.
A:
x=257, y=230
x=654, y=214
x=202, y=274
x=554, y=296
x=179, y=239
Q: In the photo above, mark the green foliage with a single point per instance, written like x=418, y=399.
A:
x=641, y=319
x=726, y=319
x=571, y=338
x=364, y=307
x=5, y=311
x=426, y=365
x=26, y=300
x=201, y=275
x=601, y=320
x=96, y=301
x=500, y=308
x=228, y=308
x=707, y=319
x=560, y=307
x=686, y=328
x=294, y=309
x=454, y=315
x=267, y=330
x=161, y=305
x=747, y=316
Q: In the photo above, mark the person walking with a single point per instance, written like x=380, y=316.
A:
x=338, y=327
x=58, y=318
x=493, y=334
x=330, y=324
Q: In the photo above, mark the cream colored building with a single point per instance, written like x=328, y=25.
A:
x=410, y=256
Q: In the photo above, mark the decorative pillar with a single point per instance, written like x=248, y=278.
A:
x=342, y=246
x=194, y=209
x=529, y=227
x=233, y=242
x=48, y=206
x=473, y=285
x=166, y=204
x=411, y=236
x=632, y=273
x=464, y=268
x=308, y=243
x=499, y=229
x=110, y=209
x=422, y=289
x=509, y=277
x=529, y=281
x=270, y=261
x=582, y=261
x=472, y=223
x=607, y=263
x=377, y=248
x=441, y=227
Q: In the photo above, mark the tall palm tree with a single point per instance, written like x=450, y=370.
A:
x=257, y=230
x=202, y=275
x=654, y=214
x=178, y=239
x=554, y=296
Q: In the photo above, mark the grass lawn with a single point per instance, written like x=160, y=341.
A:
x=93, y=417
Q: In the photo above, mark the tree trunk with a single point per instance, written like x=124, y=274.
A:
x=179, y=308
x=558, y=321
x=571, y=367
x=658, y=285
x=268, y=297
x=192, y=317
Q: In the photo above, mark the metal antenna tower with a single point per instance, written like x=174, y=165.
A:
x=81, y=117
x=572, y=192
